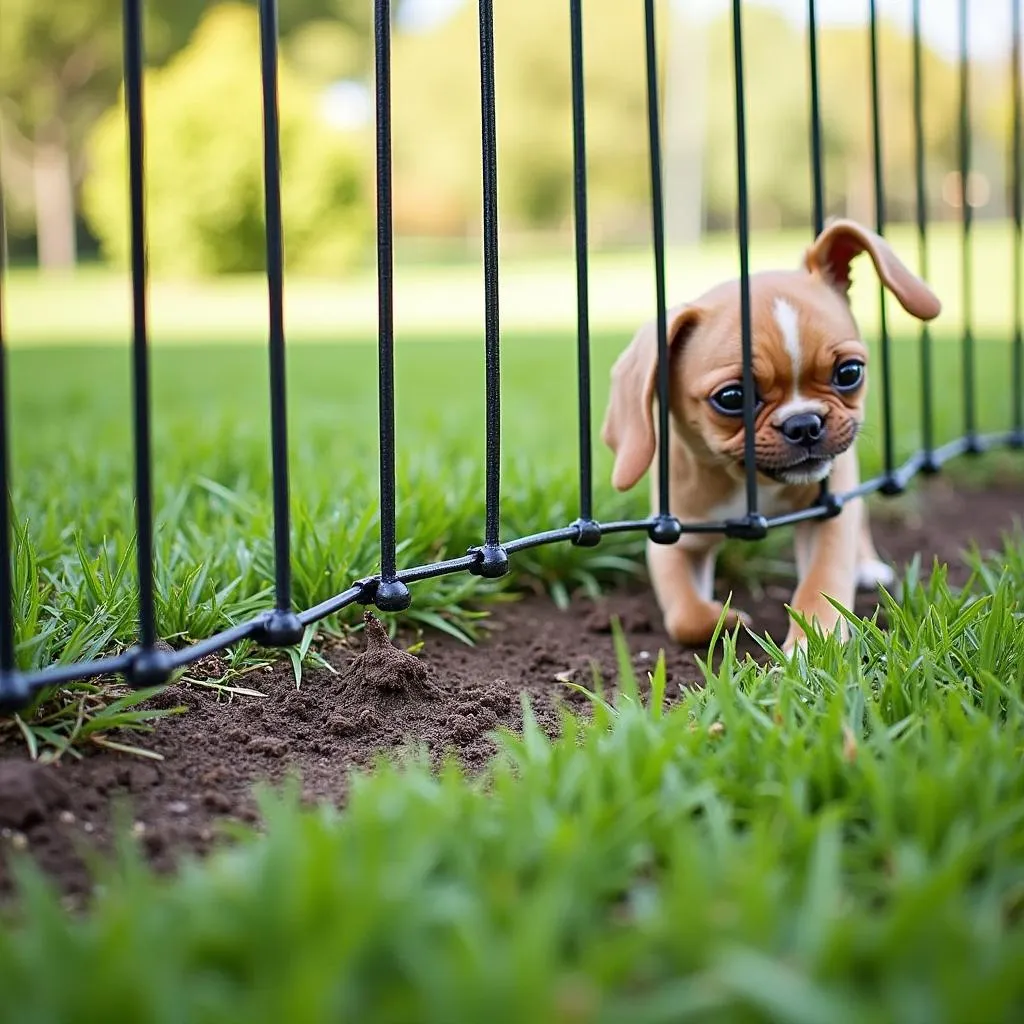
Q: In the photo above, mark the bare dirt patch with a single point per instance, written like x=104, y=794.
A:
x=448, y=698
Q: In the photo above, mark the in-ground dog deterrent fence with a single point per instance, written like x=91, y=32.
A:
x=147, y=664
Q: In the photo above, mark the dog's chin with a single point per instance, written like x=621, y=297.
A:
x=811, y=470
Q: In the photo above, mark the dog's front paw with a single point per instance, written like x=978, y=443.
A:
x=693, y=625
x=874, y=573
x=796, y=640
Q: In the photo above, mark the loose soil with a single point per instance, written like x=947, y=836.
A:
x=448, y=697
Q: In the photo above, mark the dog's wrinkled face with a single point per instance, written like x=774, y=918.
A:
x=809, y=367
x=810, y=380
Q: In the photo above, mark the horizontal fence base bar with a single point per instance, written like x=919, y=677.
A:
x=142, y=667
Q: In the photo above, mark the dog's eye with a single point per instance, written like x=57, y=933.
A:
x=728, y=400
x=848, y=376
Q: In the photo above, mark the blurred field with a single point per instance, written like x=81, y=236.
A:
x=70, y=398
x=446, y=300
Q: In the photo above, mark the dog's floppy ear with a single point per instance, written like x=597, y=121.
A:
x=629, y=421
x=841, y=241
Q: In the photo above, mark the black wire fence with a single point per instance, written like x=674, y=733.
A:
x=149, y=663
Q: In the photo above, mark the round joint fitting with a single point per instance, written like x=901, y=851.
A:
x=929, y=466
x=491, y=562
x=1017, y=439
x=891, y=487
x=281, y=629
x=392, y=596
x=14, y=692
x=588, y=533
x=149, y=667
x=665, y=530
x=832, y=505
x=750, y=528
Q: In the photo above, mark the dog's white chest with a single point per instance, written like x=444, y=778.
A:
x=770, y=502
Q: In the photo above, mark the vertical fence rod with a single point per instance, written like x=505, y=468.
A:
x=658, y=233
x=133, y=76
x=817, y=159
x=7, y=659
x=391, y=594
x=921, y=189
x=1017, y=201
x=967, y=272
x=742, y=208
x=283, y=625
x=495, y=561
x=876, y=138
x=579, y=156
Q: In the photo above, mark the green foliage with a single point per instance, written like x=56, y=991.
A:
x=837, y=838
x=74, y=546
x=204, y=164
x=437, y=185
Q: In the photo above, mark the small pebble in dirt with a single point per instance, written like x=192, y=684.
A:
x=178, y=807
x=139, y=828
x=19, y=841
x=67, y=818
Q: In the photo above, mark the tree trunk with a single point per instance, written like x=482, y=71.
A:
x=55, y=206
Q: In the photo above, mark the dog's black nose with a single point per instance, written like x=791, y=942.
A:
x=805, y=429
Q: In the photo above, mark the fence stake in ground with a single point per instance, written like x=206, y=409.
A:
x=1017, y=204
x=921, y=196
x=491, y=559
x=589, y=532
x=666, y=528
x=755, y=525
x=281, y=627
x=967, y=218
x=149, y=666
x=12, y=688
x=390, y=593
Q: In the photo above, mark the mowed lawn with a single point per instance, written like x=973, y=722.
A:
x=71, y=463
x=444, y=298
x=832, y=840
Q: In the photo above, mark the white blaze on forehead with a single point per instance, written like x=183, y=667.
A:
x=787, y=318
x=788, y=321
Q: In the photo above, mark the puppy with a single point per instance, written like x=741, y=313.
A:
x=810, y=373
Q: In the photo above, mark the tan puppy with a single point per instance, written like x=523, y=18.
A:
x=810, y=376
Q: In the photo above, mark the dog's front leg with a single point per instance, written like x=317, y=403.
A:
x=683, y=580
x=827, y=553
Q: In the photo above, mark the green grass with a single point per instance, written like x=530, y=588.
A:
x=75, y=584
x=834, y=839
x=538, y=293
x=74, y=553
x=73, y=497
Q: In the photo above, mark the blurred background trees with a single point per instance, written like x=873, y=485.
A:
x=205, y=164
x=63, y=136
